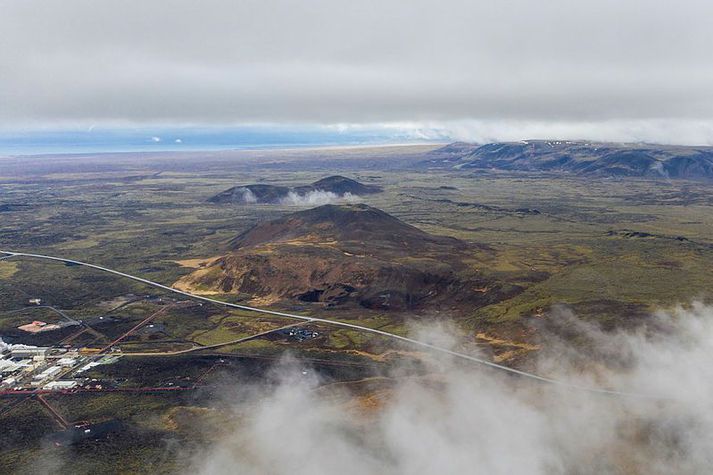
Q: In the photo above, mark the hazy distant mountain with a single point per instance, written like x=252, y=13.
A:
x=579, y=158
x=336, y=185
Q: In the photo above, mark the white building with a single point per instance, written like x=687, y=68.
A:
x=7, y=366
x=59, y=385
x=48, y=373
x=18, y=351
x=67, y=362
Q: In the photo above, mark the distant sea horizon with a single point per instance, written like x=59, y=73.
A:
x=205, y=139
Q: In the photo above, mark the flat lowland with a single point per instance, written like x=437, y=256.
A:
x=600, y=245
x=516, y=246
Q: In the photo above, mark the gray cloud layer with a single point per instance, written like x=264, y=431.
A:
x=369, y=61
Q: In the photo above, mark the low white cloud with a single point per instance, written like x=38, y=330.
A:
x=155, y=139
x=460, y=419
x=660, y=131
x=317, y=198
x=249, y=196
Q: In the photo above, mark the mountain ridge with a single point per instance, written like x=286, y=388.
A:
x=580, y=158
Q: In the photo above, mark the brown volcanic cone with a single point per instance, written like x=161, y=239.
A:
x=340, y=254
x=360, y=226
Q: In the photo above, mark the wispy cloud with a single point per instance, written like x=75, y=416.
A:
x=458, y=419
x=317, y=197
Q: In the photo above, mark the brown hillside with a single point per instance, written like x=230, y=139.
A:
x=345, y=254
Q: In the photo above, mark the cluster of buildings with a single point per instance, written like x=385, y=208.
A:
x=24, y=367
x=20, y=364
x=301, y=334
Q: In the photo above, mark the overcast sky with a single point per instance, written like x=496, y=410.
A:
x=491, y=67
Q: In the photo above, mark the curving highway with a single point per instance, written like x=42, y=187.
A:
x=507, y=369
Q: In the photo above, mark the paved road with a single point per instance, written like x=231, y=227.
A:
x=392, y=336
x=210, y=347
x=136, y=327
x=33, y=307
x=79, y=390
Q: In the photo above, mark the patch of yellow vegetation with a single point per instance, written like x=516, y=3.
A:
x=506, y=356
x=265, y=301
x=185, y=286
x=509, y=349
x=310, y=240
x=382, y=357
x=494, y=341
x=195, y=263
x=373, y=402
x=192, y=283
x=8, y=269
x=184, y=417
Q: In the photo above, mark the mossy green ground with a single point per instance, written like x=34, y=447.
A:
x=576, y=251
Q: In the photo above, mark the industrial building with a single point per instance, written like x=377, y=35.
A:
x=9, y=366
x=46, y=374
x=67, y=362
x=62, y=384
x=21, y=351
